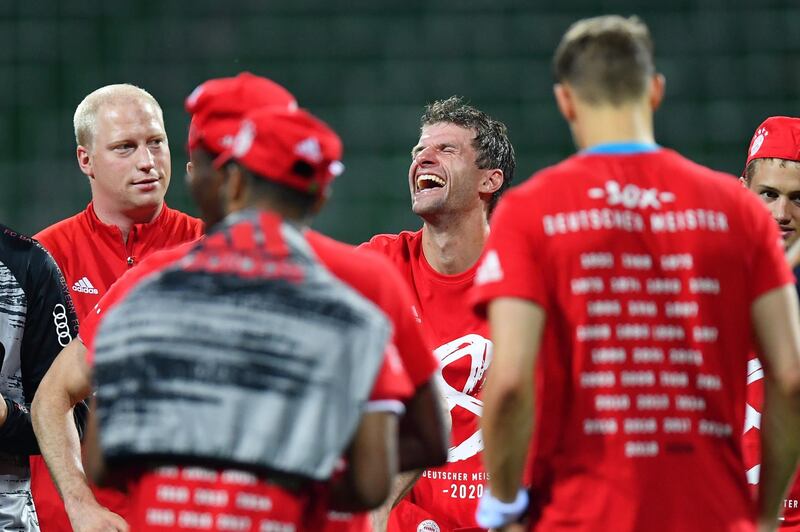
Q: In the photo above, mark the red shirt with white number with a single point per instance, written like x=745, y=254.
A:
x=647, y=266
x=446, y=496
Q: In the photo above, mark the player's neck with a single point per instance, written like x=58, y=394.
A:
x=606, y=124
x=125, y=220
x=453, y=244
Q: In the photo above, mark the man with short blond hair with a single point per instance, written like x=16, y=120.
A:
x=123, y=150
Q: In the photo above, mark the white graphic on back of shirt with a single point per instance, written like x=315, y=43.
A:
x=429, y=525
x=631, y=196
x=84, y=286
x=479, y=350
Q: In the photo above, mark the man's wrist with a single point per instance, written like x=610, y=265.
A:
x=494, y=513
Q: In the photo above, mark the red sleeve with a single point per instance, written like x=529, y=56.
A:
x=392, y=384
x=509, y=265
x=417, y=357
x=114, y=295
x=768, y=268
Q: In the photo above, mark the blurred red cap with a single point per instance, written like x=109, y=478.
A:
x=777, y=137
x=289, y=147
x=218, y=105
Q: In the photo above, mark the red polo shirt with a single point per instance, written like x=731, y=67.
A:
x=93, y=255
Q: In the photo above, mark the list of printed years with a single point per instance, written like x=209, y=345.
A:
x=640, y=379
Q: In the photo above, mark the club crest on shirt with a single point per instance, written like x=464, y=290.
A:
x=428, y=525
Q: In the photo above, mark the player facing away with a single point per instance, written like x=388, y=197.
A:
x=217, y=108
x=459, y=167
x=623, y=312
x=772, y=171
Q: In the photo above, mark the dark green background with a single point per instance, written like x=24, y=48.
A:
x=368, y=67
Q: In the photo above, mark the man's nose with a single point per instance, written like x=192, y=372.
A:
x=780, y=210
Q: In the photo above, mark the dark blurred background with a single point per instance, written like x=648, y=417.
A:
x=368, y=67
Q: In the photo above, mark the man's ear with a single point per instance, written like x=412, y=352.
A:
x=491, y=181
x=565, y=100
x=85, y=160
x=236, y=189
x=743, y=182
x=189, y=172
x=658, y=85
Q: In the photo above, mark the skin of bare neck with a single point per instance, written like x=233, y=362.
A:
x=124, y=221
x=601, y=124
x=453, y=243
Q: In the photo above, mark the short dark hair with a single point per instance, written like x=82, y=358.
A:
x=491, y=137
x=607, y=60
x=263, y=188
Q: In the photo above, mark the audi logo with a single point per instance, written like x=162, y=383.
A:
x=62, y=325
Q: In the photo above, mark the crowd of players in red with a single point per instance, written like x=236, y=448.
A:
x=635, y=314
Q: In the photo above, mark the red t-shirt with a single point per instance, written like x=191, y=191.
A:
x=92, y=255
x=751, y=441
x=638, y=263
x=393, y=384
x=377, y=280
x=446, y=496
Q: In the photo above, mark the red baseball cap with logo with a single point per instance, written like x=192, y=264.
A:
x=777, y=137
x=218, y=105
x=289, y=147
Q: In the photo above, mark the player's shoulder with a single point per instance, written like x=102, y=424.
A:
x=401, y=245
x=23, y=256
x=16, y=244
x=182, y=222
x=62, y=231
x=359, y=266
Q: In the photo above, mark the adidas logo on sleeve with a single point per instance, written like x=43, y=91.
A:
x=84, y=286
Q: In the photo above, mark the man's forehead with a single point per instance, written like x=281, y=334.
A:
x=443, y=131
x=780, y=174
x=121, y=115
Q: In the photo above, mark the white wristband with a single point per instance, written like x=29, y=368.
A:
x=494, y=513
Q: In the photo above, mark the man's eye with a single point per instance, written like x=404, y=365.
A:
x=123, y=147
x=156, y=142
x=768, y=194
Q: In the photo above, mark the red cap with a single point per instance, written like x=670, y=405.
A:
x=777, y=137
x=292, y=148
x=218, y=105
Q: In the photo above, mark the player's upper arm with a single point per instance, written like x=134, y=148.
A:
x=70, y=374
x=516, y=326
